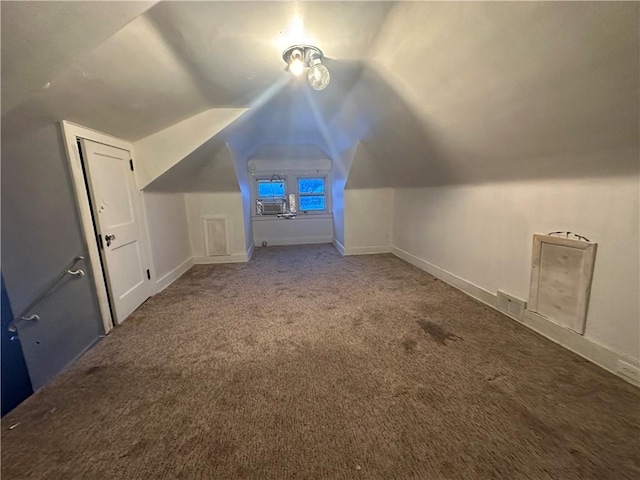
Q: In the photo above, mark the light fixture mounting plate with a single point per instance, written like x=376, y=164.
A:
x=308, y=51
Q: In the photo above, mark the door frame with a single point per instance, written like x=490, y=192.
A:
x=71, y=132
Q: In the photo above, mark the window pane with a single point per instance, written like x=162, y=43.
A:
x=310, y=185
x=268, y=189
x=311, y=202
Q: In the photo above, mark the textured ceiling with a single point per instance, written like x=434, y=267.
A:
x=436, y=92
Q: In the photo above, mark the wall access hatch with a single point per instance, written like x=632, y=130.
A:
x=561, y=274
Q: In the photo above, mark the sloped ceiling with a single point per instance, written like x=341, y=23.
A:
x=40, y=39
x=435, y=92
x=175, y=60
x=516, y=90
x=295, y=114
x=233, y=49
x=209, y=168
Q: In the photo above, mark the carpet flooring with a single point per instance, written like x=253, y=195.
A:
x=303, y=364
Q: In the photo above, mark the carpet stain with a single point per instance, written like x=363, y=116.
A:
x=409, y=345
x=251, y=339
x=436, y=332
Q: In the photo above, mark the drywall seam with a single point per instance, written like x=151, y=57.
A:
x=168, y=278
x=370, y=250
x=586, y=348
x=233, y=258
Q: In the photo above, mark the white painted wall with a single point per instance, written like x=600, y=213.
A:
x=483, y=234
x=168, y=230
x=298, y=231
x=228, y=204
x=338, y=216
x=242, y=174
x=340, y=172
x=368, y=220
x=157, y=153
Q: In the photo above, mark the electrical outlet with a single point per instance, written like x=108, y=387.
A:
x=512, y=306
x=629, y=371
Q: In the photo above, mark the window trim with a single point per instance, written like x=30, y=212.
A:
x=271, y=180
x=324, y=194
x=291, y=179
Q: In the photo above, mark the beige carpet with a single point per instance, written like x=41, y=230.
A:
x=303, y=364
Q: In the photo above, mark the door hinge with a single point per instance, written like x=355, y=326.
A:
x=131, y=164
x=100, y=242
x=148, y=274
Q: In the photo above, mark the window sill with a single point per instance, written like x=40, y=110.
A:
x=299, y=216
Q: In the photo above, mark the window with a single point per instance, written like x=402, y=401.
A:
x=311, y=193
x=271, y=191
x=275, y=196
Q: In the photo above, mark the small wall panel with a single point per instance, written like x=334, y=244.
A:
x=216, y=238
x=561, y=274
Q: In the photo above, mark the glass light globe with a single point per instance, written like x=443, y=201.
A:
x=296, y=67
x=318, y=77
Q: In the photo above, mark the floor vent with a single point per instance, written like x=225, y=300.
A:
x=512, y=306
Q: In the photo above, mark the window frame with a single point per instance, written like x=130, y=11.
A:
x=270, y=179
x=299, y=195
x=291, y=179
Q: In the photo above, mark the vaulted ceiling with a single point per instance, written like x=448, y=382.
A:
x=433, y=92
x=131, y=68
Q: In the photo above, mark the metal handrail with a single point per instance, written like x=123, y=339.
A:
x=23, y=316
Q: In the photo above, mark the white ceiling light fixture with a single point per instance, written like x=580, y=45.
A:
x=301, y=57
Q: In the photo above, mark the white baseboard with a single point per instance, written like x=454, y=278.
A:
x=338, y=246
x=275, y=242
x=168, y=278
x=602, y=356
x=233, y=258
x=250, y=250
x=469, y=288
x=583, y=346
x=367, y=250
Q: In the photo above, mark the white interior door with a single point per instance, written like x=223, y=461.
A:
x=116, y=209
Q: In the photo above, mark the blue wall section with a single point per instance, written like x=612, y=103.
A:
x=16, y=385
x=41, y=234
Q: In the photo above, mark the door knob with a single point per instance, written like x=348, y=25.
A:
x=108, y=239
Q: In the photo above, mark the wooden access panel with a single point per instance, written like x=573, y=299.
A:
x=216, y=239
x=561, y=275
